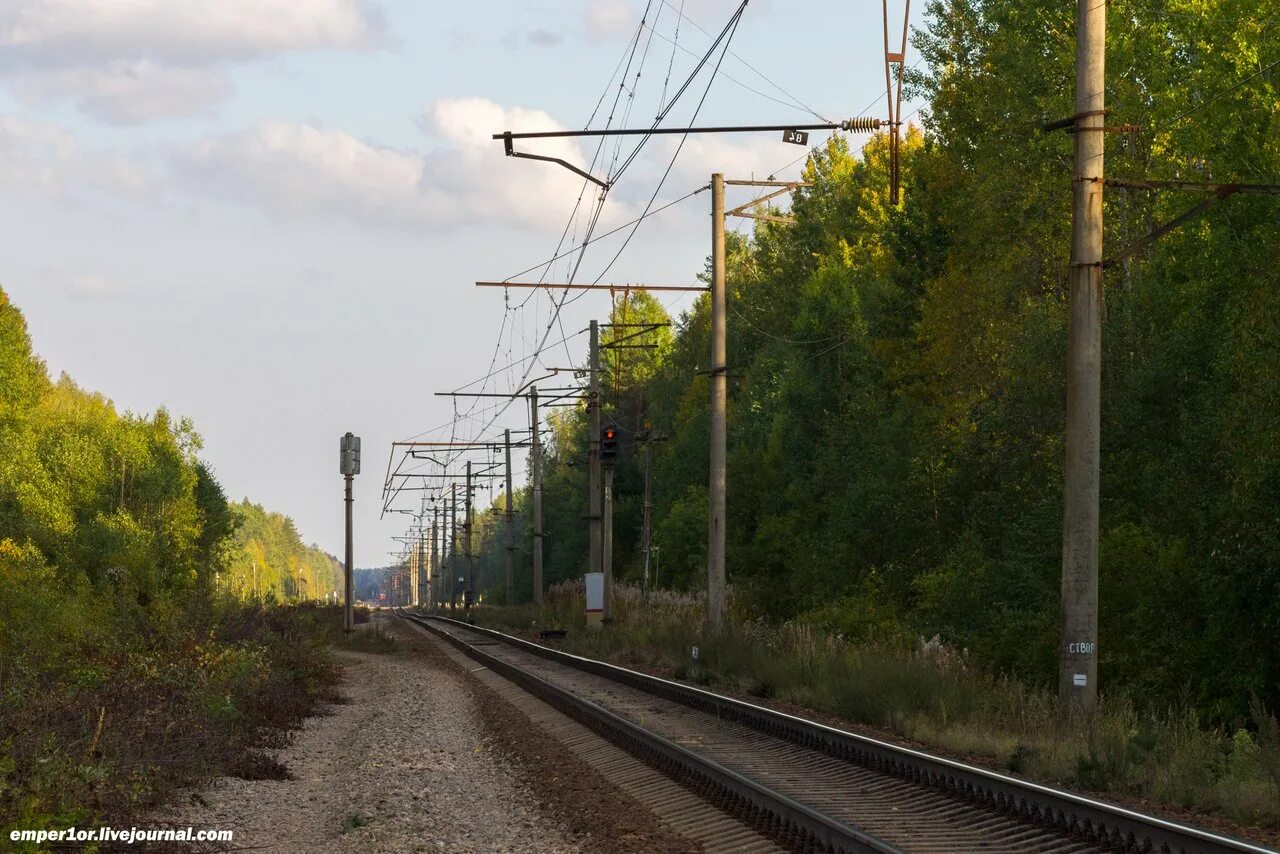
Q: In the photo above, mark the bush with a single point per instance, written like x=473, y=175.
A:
x=107, y=704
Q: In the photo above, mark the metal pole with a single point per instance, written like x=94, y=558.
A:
x=411, y=570
x=348, y=616
x=424, y=569
x=433, y=566
x=1078, y=661
x=452, y=525
x=511, y=531
x=719, y=395
x=468, y=592
x=607, y=543
x=646, y=525
x=537, y=497
x=593, y=458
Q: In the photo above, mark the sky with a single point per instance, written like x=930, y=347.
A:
x=269, y=215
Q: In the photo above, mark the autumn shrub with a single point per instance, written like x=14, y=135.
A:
x=106, y=705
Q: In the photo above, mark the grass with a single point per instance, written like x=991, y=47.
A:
x=372, y=638
x=106, y=707
x=931, y=694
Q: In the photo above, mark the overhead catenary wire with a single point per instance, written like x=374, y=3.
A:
x=611, y=232
x=794, y=100
x=730, y=28
x=1207, y=101
x=555, y=310
x=793, y=105
x=577, y=254
x=649, y=211
x=679, y=148
x=662, y=99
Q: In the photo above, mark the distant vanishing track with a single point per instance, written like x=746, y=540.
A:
x=812, y=787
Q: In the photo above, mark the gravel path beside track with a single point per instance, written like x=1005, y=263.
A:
x=406, y=765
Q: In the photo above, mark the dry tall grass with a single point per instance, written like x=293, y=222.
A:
x=929, y=693
x=99, y=722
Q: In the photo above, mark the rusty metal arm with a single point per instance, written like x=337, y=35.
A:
x=511, y=152
x=561, y=286
x=1193, y=186
x=1143, y=242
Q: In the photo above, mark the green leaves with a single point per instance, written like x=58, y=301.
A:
x=897, y=375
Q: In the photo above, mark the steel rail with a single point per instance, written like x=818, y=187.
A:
x=1107, y=825
x=772, y=813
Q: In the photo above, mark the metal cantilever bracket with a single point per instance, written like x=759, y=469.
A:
x=791, y=133
x=749, y=211
x=1216, y=193
x=509, y=144
x=1070, y=124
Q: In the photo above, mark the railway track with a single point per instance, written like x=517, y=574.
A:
x=811, y=787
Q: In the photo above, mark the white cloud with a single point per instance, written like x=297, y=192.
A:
x=544, y=38
x=180, y=31
x=606, y=19
x=87, y=287
x=48, y=161
x=302, y=170
x=128, y=92
x=127, y=61
x=745, y=156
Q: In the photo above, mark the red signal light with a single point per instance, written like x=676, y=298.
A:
x=608, y=445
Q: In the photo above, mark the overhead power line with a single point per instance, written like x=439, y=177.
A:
x=532, y=360
x=794, y=100
x=1207, y=101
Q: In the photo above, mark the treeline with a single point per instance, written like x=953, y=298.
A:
x=94, y=499
x=127, y=665
x=897, y=382
x=269, y=559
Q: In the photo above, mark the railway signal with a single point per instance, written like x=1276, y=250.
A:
x=349, y=467
x=609, y=445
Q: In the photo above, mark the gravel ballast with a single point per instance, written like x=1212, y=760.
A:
x=406, y=765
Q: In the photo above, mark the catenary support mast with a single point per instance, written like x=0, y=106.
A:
x=1078, y=660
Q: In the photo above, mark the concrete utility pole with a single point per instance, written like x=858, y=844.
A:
x=606, y=537
x=646, y=524
x=424, y=568
x=511, y=530
x=594, y=514
x=451, y=524
x=1078, y=659
x=411, y=567
x=468, y=592
x=434, y=565
x=438, y=547
x=719, y=398
x=536, y=471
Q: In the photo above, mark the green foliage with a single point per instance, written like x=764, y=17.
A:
x=123, y=673
x=267, y=559
x=897, y=375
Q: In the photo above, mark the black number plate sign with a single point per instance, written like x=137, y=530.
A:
x=799, y=137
